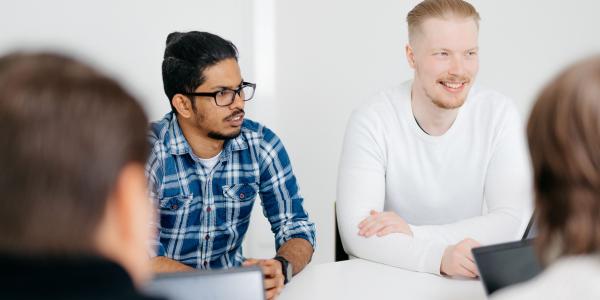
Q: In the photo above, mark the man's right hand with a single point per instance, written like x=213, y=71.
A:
x=458, y=260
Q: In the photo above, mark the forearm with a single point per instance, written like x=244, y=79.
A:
x=298, y=252
x=161, y=264
x=487, y=229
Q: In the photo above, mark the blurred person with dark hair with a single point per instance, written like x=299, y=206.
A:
x=208, y=164
x=564, y=143
x=74, y=208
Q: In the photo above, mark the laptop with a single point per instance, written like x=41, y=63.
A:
x=505, y=264
x=244, y=283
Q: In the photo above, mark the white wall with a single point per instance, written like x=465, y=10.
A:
x=332, y=55
x=313, y=60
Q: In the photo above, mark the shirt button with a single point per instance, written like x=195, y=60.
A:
x=208, y=209
x=242, y=195
x=174, y=206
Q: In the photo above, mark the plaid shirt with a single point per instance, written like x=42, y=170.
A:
x=204, y=214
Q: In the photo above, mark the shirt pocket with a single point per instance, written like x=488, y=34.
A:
x=172, y=211
x=239, y=199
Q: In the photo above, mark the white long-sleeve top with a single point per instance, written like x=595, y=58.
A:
x=571, y=277
x=474, y=181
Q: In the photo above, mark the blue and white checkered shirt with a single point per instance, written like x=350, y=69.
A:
x=204, y=214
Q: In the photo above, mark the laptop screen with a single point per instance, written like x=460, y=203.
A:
x=239, y=283
x=506, y=264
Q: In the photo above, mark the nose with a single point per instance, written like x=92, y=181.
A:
x=457, y=66
x=238, y=102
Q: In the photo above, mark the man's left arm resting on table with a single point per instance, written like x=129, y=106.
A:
x=298, y=252
x=282, y=202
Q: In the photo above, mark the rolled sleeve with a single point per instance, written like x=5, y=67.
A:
x=280, y=194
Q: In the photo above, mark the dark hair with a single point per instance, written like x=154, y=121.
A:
x=67, y=132
x=186, y=57
x=564, y=142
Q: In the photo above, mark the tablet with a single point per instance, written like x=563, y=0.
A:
x=505, y=264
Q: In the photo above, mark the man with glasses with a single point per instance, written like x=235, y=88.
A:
x=208, y=164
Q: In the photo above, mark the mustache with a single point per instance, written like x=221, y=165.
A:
x=456, y=79
x=235, y=114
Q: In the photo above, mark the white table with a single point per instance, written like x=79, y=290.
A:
x=361, y=279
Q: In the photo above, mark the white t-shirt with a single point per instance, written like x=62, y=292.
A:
x=209, y=163
x=474, y=181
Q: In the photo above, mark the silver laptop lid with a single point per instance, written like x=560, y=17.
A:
x=238, y=283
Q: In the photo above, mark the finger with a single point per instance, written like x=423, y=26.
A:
x=471, y=266
x=385, y=231
x=394, y=228
x=368, y=224
x=374, y=228
x=271, y=283
x=467, y=247
x=366, y=221
x=471, y=243
x=271, y=268
x=271, y=293
x=466, y=272
x=250, y=262
x=372, y=214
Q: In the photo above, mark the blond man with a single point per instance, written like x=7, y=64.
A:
x=435, y=166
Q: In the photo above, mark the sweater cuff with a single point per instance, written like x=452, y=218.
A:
x=419, y=232
x=431, y=260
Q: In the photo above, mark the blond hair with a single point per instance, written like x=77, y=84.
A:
x=441, y=9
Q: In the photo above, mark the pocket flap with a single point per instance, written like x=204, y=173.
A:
x=175, y=203
x=241, y=192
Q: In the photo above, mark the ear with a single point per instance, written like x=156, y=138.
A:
x=410, y=56
x=183, y=105
x=132, y=208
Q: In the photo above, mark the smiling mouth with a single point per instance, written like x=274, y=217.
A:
x=455, y=85
x=236, y=117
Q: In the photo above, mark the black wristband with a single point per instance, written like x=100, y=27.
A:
x=286, y=268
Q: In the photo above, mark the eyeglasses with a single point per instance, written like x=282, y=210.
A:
x=226, y=96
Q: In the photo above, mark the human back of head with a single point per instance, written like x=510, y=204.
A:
x=69, y=133
x=564, y=141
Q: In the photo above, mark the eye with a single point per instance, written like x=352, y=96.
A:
x=441, y=53
x=472, y=53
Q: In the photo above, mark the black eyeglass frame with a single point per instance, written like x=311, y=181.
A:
x=236, y=92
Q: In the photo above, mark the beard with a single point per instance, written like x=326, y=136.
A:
x=222, y=136
x=452, y=102
x=216, y=135
x=445, y=104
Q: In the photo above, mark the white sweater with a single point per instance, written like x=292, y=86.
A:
x=473, y=181
x=574, y=277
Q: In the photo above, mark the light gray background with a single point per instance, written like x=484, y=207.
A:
x=313, y=60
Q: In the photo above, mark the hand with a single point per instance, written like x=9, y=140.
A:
x=383, y=223
x=458, y=260
x=273, y=280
